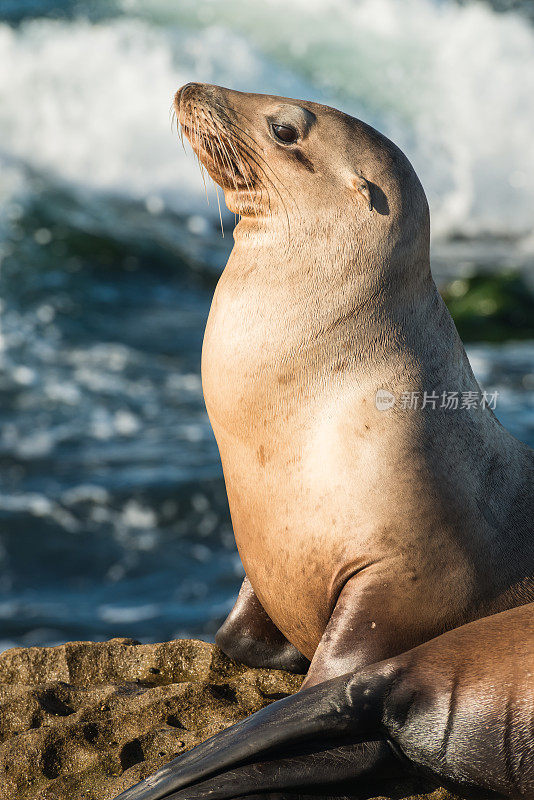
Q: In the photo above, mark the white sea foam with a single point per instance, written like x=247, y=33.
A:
x=90, y=104
x=125, y=614
x=451, y=84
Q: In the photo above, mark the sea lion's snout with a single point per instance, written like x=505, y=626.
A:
x=207, y=121
x=186, y=92
x=181, y=91
x=184, y=96
x=194, y=93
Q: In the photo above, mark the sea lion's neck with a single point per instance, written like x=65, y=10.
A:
x=321, y=286
x=290, y=317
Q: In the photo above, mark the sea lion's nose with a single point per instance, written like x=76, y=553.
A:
x=186, y=91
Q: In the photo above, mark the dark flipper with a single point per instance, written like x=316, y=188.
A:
x=332, y=770
x=248, y=635
x=334, y=715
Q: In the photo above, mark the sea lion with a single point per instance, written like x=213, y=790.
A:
x=458, y=709
x=363, y=532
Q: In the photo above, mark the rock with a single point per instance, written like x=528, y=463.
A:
x=85, y=721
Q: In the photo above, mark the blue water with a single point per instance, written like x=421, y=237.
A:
x=113, y=513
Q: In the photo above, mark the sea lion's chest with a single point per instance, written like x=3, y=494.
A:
x=261, y=418
x=248, y=368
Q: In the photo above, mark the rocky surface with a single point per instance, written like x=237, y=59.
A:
x=85, y=720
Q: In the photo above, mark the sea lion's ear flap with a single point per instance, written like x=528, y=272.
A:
x=361, y=187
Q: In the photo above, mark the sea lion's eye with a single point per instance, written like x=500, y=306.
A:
x=284, y=133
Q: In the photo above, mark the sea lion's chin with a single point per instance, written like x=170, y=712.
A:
x=243, y=202
x=227, y=176
x=240, y=196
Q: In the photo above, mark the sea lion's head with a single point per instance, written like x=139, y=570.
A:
x=293, y=164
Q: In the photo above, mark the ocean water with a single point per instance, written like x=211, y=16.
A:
x=113, y=513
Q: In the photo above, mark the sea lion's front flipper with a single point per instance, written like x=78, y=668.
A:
x=373, y=620
x=341, y=711
x=250, y=636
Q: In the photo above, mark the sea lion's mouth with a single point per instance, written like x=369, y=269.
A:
x=217, y=151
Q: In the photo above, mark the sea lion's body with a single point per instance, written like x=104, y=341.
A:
x=324, y=488
x=420, y=518
x=363, y=533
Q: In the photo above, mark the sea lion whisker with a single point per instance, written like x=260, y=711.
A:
x=214, y=153
x=233, y=167
x=218, y=198
x=241, y=164
x=239, y=154
x=180, y=132
x=243, y=131
x=172, y=116
x=210, y=145
x=269, y=183
x=201, y=140
x=263, y=184
x=233, y=124
x=249, y=148
x=194, y=144
x=179, y=128
x=225, y=153
x=228, y=121
x=243, y=167
x=249, y=151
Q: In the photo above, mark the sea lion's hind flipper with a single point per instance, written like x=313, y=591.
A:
x=248, y=635
x=326, y=715
x=338, y=770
